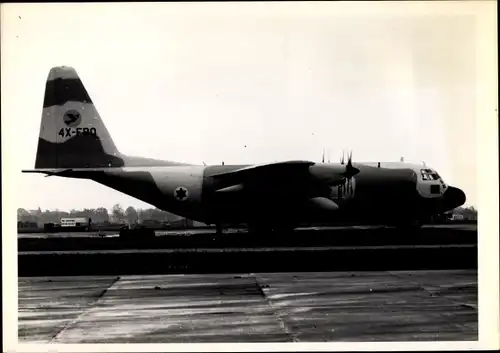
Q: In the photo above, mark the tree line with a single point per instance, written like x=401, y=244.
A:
x=98, y=215
x=466, y=212
x=131, y=215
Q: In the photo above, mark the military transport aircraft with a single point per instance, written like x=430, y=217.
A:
x=74, y=143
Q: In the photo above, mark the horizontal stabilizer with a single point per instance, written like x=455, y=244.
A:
x=45, y=171
x=68, y=172
x=60, y=173
x=49, y=172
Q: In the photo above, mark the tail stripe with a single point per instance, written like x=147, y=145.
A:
x=61, y=90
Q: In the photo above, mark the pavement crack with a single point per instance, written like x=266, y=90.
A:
x=279, y=314
x=415, y=283
x=84, y=311
x=434, y=295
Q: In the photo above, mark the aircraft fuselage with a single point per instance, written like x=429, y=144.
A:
x=375, y=194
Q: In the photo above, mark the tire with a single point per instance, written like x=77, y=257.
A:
x=409, y=226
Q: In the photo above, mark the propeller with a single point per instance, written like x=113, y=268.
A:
x=327, y=155
x=346, y=173
x=350, y=171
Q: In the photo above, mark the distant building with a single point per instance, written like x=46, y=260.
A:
x=74, y=222
x=24, y=225
x=457, y=217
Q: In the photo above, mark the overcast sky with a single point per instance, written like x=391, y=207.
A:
x=247, y=83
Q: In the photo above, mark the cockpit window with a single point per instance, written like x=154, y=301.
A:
x=429, y=174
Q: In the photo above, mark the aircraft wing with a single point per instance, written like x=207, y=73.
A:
x=263, y=178
x=285, y=182
x=268, y=169
x=286, y=179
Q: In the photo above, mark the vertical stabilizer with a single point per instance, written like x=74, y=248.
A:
x=72, y=134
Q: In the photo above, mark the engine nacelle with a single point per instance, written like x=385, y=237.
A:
x=323, y=204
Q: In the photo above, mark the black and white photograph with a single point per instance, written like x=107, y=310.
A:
x=302, y=175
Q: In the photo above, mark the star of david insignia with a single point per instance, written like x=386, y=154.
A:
x=181, y=193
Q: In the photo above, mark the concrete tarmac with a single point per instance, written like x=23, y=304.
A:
x=257, y=307
x=247, y=250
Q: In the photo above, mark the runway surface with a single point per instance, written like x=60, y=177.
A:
x=188, y=232
x=248, y=250
x=260, y=307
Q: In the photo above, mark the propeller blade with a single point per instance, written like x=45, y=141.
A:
x=345, y=182
x=350, y=169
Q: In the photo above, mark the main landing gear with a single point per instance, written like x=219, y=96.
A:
x=409, y=225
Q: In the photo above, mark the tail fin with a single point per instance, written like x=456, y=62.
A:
x=72, y=134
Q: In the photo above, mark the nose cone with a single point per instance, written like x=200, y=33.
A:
x=453, y=197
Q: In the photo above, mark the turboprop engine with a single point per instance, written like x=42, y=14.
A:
x=323, y=204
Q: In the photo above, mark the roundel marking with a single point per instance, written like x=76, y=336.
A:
x=72, y=118
x=181, y=193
